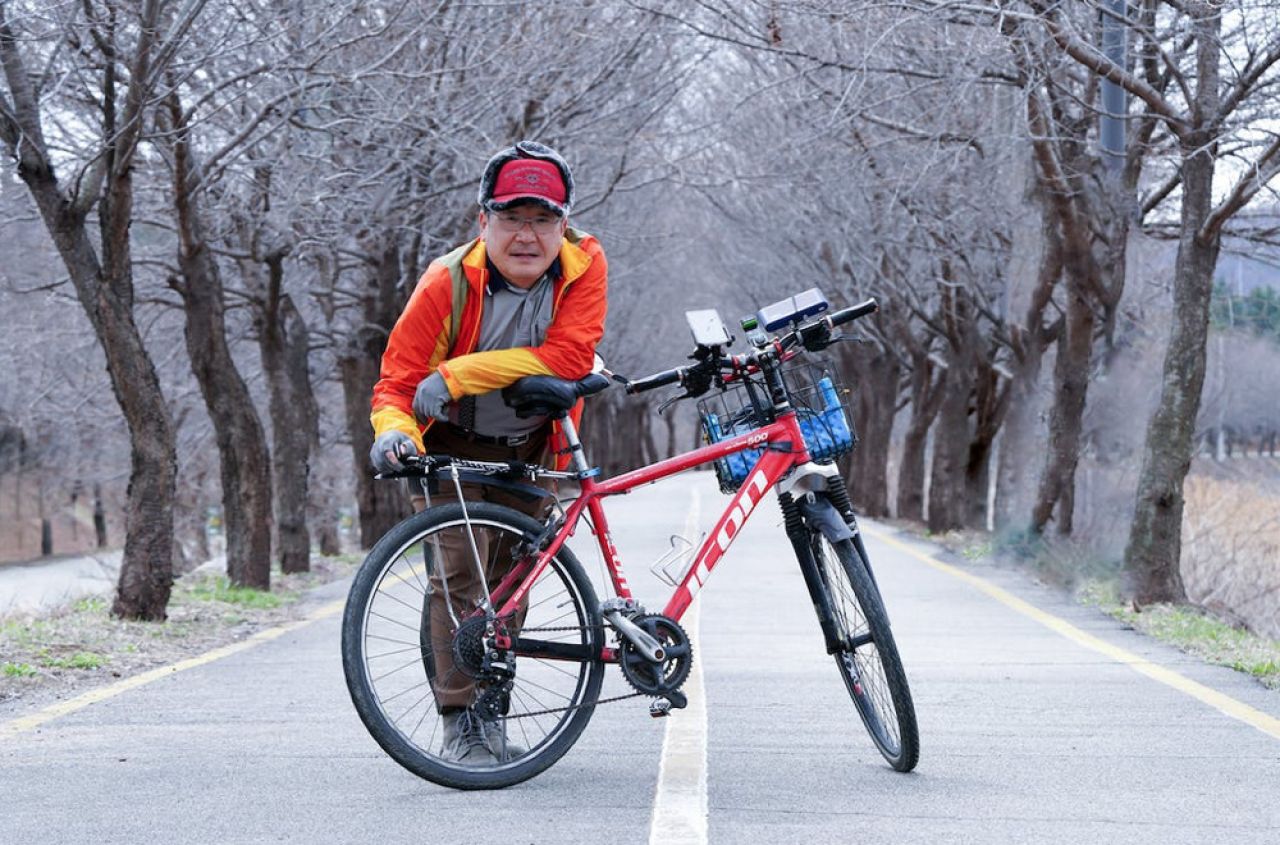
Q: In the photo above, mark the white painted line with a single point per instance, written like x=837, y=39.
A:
x=680, y=800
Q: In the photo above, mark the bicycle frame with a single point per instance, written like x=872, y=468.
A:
x=784, y=448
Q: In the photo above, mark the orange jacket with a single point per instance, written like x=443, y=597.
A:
x=425, y=338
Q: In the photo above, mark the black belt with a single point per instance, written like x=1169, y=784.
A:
x=475, y=437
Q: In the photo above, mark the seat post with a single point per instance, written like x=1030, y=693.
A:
x=577, y=456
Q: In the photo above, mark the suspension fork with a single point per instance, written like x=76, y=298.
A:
x=839, y=497
x=798, y=534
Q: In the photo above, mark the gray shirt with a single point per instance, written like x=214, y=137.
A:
x=512, y=317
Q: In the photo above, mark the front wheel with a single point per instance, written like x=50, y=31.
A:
x=393, y=654
x=868, y=660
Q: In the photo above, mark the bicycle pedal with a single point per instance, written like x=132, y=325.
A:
x=663, y=705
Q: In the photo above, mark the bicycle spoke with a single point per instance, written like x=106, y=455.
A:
x=413, y=628
x=548, y=700
x=415, y=662
x=389, y=640
x=429, y=694
x=395, y=652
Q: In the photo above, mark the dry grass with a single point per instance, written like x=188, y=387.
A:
x=60, y=655
x=1231, y=549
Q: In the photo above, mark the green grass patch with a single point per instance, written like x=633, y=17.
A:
x=18, y=670
x=79, y=660
x=1193, y=631
x=219, y=589
x=25, y=633
x=97, y=604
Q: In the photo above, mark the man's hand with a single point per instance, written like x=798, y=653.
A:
x=431, y=398
x=389, y=448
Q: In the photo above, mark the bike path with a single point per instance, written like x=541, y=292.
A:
x=264, y=746
x=1026, y=735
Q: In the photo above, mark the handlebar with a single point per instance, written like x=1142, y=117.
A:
x=815, y=334
x=854, y=312
x=661, y=379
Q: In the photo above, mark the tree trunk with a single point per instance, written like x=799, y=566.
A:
x=380, y=504
x=105, y=290
x=875, y=397
x=99, y=518
x=1013, y=469
x=951, y=438
x=1155, y=538
x=990, y=406
x=242, y=449
x=926, y=397
x=283, y=339
x=1066, y=417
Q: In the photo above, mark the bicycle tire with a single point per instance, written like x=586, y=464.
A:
x=870, y=665
x=392, y=562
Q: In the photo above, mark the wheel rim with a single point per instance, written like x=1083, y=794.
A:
x=861, y=667
x=395, y=664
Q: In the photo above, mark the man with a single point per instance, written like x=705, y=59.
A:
x=527, y=297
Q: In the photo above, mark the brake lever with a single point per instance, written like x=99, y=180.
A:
x=674, y=399
x=618, y=377
x=819, y=344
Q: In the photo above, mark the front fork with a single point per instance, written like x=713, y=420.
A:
x=838, y=495
x=798, y=534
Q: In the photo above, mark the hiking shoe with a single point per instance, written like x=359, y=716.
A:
x=465, y=740
x=498, y=740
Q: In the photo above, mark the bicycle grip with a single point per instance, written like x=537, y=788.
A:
x=854, y=312
x=662, y=379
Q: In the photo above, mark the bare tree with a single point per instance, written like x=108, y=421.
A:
x=1220, y=84
x=100, y=178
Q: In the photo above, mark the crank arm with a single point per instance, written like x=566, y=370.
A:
x=647, y=645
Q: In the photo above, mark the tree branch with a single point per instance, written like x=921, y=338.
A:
x=1086, y=55
x=1264, y=169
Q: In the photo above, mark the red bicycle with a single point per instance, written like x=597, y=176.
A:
x=530, y=651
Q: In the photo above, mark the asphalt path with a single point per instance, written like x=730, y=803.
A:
x=1031, y=731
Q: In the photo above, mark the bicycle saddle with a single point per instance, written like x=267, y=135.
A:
x=548, y=396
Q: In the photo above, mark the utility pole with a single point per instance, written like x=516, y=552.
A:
x=1111, y=130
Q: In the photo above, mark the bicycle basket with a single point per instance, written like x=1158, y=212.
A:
x=820, y=403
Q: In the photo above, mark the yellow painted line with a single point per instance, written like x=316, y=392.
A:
x=62, y=708
x=1226, y=704
x=1253, y=717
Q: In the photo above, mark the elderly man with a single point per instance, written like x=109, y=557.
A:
x=527, y=297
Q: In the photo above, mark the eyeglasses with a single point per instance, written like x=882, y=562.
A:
x=541, y=224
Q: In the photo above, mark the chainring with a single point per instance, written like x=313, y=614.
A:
x=668, y=674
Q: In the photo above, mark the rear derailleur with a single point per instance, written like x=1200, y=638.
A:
x=476, y=653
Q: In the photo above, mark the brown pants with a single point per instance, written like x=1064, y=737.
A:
x=452, y=552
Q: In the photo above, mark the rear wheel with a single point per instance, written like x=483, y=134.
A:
x=391, y=658
x=868, y=661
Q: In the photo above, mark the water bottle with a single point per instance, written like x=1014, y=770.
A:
x=713, y=428
x=833, y=417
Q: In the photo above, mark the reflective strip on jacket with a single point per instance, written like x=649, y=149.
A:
x=420, y=341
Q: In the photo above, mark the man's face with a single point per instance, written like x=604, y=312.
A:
x=522, y=241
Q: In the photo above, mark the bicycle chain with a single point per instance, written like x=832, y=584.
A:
x=551, y=710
